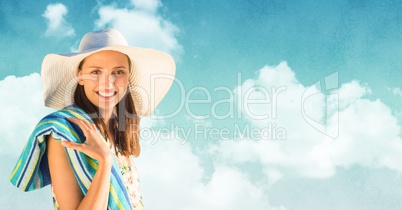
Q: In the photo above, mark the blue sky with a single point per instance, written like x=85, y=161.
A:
x=223, y=49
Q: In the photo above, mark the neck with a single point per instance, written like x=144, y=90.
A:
x=106, y=114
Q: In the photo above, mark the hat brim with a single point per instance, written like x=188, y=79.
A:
x=151, y=76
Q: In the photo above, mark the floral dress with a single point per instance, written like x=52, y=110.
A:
x=130, y=178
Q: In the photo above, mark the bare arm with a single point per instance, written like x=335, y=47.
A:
x=65, y=185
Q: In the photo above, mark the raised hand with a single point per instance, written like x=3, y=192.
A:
x=94, y=146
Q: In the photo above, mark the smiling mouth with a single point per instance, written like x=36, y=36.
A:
x=106, y=95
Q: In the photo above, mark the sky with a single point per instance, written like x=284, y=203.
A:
x=275, y=105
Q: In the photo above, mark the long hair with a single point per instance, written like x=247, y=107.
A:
x=124, y=125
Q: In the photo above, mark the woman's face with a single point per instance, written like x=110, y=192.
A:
x=105, y=76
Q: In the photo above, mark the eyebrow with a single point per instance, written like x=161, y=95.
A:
x=119, y=67
x=98, y=67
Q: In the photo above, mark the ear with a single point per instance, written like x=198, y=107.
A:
x=80, y=80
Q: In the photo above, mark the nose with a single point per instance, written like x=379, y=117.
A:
x=107, y=81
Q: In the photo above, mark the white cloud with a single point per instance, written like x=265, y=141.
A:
x=147, y=5
x=368, y=132
x=396, y=91
x=231, y=189
x=352, y=92
x=142, y=26
x=24, y=108
x=171, y=178
x=56, y=24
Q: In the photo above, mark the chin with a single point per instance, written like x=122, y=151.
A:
x=106, y=106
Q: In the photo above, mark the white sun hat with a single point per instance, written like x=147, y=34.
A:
x=151, y=76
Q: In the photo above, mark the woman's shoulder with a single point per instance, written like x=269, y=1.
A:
x=58, y=126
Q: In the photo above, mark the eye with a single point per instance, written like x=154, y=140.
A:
x=119, y=72
x=96, y=72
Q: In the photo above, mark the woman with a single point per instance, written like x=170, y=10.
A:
x=85, y=150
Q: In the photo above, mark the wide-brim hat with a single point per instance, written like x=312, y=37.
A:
x=151, y=75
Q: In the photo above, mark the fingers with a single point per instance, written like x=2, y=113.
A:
x=94, y=146
x=83, y=124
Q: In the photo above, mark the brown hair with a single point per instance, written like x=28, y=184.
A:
x=124, y=126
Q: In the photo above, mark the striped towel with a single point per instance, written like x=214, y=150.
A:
x=32, y=172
